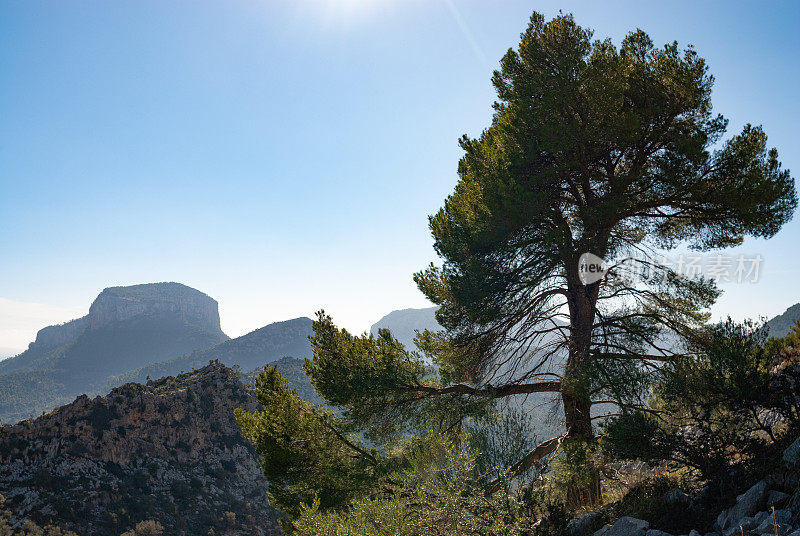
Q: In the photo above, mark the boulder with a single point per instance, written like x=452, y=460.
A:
x=776, y=498
x=781, y=517
x=602, y=530
x=654, y=532
x=792, y=453
x=760, y=517
x=628, y=526
x=747, y=504
x=746, y=523
x=581, y=524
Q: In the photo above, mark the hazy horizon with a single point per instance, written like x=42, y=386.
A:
x=10, y=351
x=284, y=157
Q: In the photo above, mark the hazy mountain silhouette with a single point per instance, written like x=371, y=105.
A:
x=403, y=323
x=782, y=324
x=126, y=328
x=249, y=352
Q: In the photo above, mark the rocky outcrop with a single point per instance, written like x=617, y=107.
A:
x=117, y=304
x=747, y=504
x=54, y=336
x=769, y=507
x=169, y=451
x=625, y=526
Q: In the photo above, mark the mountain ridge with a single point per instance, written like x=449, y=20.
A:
x=403, y=324
x=782, y=324
x=127, y=327
x=251, y=351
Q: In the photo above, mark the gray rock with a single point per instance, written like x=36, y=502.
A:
x=628, y=526
x=783, y=517
x=694, y=533
x=776, y=498
x=759, y=517
x=746, y=505
x=654, y=532
x=747, y=523
x=582, y=523
x=765, y=526
x=792, y=453
x=602, y=530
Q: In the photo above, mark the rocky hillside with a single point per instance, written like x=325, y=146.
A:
x=168, y=451
x=126, y=328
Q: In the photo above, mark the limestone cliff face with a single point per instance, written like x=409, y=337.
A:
x=169, y=450
x=117, y=304
x=54, y=336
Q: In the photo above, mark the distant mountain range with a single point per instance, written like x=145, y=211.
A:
x=782, y=324
x=406, y=322
x=270, y=344
x=155, y=330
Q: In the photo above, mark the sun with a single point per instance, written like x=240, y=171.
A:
x=347, y=9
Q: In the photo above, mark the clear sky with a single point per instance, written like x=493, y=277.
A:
x=283, y=155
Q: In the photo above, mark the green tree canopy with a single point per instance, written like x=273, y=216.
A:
x=603, y=150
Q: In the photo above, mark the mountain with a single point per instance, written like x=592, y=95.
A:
x=404, y=322
x=292, y=371
x=249, y=352
x=168, y=451
x=126, y=328
x=782, y=324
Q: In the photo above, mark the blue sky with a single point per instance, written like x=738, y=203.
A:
x=282, y=156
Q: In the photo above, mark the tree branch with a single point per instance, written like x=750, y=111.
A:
x=542, y=450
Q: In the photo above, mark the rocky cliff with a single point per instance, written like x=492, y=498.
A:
x=169, y=451
x=117, y=304
x=54, y=336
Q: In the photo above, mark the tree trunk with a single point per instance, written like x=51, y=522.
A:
x=580, y=435
x=576, y=394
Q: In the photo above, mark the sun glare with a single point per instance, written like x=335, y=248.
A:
x=333, y=11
